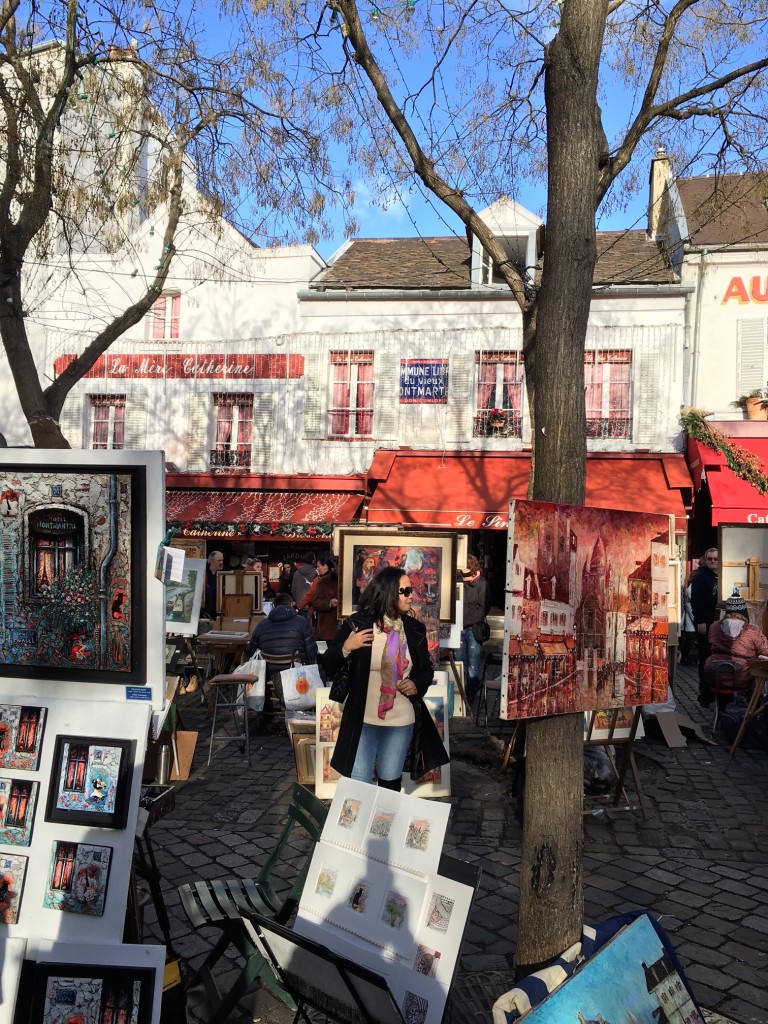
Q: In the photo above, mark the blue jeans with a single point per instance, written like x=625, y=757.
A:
x=471, y=653
x=384, y=746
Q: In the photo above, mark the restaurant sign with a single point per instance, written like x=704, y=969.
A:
x=178, y=366
x=754, y=291
x=423, y=381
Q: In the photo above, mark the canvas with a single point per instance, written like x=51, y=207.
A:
x=17, y=810
x=70, y=539
x=632, y=978
x=90, y=781
x=13, y=869
x=51, y=993
x=586, y=614
x=429, y=560
x=21, y=736
x=183, y=599
x=78, y=876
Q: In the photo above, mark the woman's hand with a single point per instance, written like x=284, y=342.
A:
x=357, y=638
x=407, y=687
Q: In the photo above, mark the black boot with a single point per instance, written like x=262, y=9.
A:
x=394, y=784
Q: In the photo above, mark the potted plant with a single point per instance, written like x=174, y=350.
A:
x=755, y=404
x=497, y=418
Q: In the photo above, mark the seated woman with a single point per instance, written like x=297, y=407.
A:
x=734, y=639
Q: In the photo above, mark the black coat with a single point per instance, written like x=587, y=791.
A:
x=282, y=633
x=421, y=673
x=704, y=596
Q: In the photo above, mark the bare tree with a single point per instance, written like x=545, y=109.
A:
x=110, y=114
x=515, y=91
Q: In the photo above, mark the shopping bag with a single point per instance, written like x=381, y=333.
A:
x=257, y=667
x=299, y=685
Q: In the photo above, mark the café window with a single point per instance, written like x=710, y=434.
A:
x=607, y=383
x=107, y=422
x=498, y=409
x=57, y=539
x=351, y=406
x=234, y=431
x=164, y=317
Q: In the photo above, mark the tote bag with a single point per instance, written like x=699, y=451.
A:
x=299, y=685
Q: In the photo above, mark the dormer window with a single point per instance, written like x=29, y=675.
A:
x=519, y=232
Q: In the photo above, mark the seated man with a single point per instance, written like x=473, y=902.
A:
x=282, y=633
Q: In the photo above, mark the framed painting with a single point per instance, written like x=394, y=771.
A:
x=78, y=876
x=73, y=534
x=429, y=559
x=587, y=609
x=57, y=993
x=90, y=781
x=183, y=598
x=13, y=869
x=17, y=810
x=237, y=583
x=21, y=736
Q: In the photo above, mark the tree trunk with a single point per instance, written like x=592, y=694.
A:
x=44, y=427
x=551, y=903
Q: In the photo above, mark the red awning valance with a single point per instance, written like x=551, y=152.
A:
x=471, y=490
x=733, y=500
x=261, y=506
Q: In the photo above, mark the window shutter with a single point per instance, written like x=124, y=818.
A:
x=751, y=358
x=71, y=421
x=458, y=414
x=135, y=422
x=264, y=427
x=315, y=392
x=386, y=392
x=198, y=417
x=647, y=405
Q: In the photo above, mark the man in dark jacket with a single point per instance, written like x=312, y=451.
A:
x=303, y=576
x=704, y=607
x=475, y=610
x=284, y=632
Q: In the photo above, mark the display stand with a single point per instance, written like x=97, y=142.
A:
x=616, y=736
x=316, y=978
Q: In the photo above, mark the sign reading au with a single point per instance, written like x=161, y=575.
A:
x=423, y=381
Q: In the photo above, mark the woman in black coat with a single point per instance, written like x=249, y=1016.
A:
x=388, y=663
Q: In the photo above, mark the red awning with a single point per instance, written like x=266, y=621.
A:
x=471, y=490
x=221, y=505
x=733, y=499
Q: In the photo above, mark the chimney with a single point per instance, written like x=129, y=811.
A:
x=661, y=175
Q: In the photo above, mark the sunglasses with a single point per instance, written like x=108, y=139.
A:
x=405, y=591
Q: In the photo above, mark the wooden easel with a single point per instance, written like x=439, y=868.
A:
x=627, y=760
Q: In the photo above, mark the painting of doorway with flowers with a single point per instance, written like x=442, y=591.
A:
x=70, y=537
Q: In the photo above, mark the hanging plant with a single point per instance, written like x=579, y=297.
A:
x=743, y=463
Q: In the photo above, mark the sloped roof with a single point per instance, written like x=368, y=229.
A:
x=444, y=264
x=368, y=263
x=726, y=209
x=630, y=257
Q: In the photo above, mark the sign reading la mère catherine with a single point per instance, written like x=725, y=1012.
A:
x=423, y=381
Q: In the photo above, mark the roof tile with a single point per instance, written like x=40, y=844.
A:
x=726, y=209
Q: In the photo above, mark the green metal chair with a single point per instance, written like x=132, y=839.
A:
x=225, y=903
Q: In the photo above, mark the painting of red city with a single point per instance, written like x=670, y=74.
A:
x=586, y=617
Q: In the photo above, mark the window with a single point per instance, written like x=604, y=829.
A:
x=607, y=387
x=56, y=544
x=107, y=421
x=164, y=318
x=499, y=394
x=351, y=407
x=63, y=866
x=234, y=432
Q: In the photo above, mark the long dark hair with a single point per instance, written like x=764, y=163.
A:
x=380, y=597
x=330, y=561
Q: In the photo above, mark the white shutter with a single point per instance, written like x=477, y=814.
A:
x=751, y=357
x=264, y=427
x=135, y=435
x=646, y=366
x=315, y=391
x=71, y=420
x=198, y=419
x=458, y=413
x=386, y=391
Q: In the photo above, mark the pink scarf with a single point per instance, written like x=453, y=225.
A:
x=394, y=662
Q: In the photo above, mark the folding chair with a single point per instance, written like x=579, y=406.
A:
x=721, y=683
x=224, y=903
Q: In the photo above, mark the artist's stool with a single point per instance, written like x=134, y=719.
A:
x=229, y=693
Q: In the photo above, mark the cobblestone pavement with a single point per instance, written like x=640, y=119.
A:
x=698, y=861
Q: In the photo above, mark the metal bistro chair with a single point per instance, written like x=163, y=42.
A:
x=489, y=686
x=225, y=904
x=273, y=694
x=722, y=683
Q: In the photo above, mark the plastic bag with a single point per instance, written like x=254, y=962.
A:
x=299, y=685
x=257, y=667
